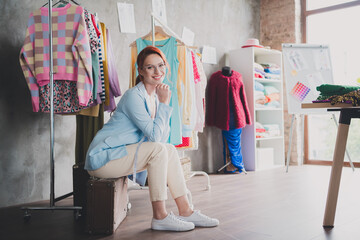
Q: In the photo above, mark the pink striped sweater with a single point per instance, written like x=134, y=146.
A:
x=71, y=51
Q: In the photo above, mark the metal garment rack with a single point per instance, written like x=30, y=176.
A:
x=52, y=207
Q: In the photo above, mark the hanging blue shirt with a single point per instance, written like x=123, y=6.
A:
x=169, y=48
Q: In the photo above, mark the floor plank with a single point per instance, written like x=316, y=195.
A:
x=264, y=205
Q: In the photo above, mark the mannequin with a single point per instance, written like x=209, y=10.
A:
x=226, y=71
x=227, y=109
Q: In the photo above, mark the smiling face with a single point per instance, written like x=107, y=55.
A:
x=153, y=70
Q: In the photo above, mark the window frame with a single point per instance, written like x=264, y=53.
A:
x=304, y=14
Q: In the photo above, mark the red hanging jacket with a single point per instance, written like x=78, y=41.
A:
x=219, y=89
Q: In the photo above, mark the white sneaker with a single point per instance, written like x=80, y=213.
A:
x=171, y=223
x=200, y=220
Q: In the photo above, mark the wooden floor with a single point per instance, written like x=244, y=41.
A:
x=261, y=205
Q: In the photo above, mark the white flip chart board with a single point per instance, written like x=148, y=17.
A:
x=306, y=66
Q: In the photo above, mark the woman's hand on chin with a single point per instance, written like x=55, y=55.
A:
x=164, y=93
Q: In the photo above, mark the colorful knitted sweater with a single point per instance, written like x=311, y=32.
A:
x=71, y=51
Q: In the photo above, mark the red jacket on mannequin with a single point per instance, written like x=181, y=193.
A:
x=222, y=89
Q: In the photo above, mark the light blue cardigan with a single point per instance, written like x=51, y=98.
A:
x=130, y=122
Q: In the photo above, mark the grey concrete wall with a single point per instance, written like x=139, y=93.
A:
x=24, y=135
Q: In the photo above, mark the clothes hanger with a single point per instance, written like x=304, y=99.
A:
x=75, y=2
x=159, y=32
x=62, y=1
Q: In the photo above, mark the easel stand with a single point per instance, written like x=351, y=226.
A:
x=52, y=207
x=302, y=142
x=290, y=142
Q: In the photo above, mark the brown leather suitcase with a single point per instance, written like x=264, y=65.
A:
x=80, y=179
x=106, y=204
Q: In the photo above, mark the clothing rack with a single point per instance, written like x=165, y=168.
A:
x=52, y=207
x=153, y=19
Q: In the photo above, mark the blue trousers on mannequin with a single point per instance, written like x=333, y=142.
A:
x=233, y=140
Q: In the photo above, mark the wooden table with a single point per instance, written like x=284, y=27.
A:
x=347, y=112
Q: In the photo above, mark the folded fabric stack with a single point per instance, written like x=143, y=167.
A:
x=266, y=96
x=260, y=131
x=267, y=130
x=332, y=90
x=272, y=130
x=259, y=71
x=260, y=99
x=259, y=86
x=273, y=95
x=352, y=97
x=338, y=94
x=272, y=70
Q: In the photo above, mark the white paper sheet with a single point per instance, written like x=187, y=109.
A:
x=126, y=17
x=209, y=55
x=188, y=36
x=159, y=9
x=322, y=59
x=296, y=60
x=314, y=80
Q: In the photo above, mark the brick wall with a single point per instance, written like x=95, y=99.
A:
x=280, y=23
x=277, y=22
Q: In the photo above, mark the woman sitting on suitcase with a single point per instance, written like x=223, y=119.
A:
x=134, y=140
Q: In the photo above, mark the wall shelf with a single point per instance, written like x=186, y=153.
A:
x=268, y=109
x=262, y=80
x=269, y=138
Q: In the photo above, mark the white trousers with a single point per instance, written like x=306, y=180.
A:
x=162, y=163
